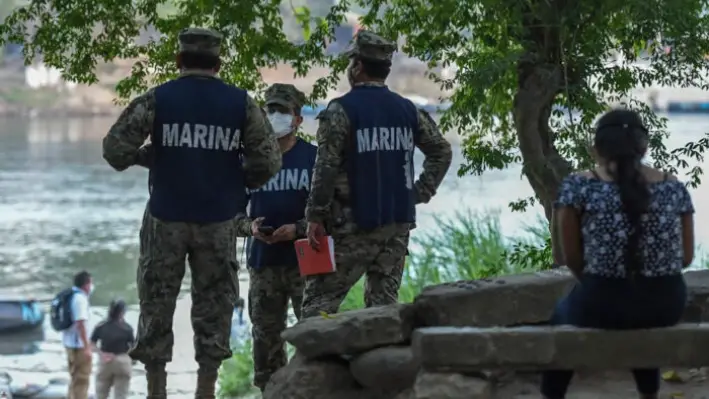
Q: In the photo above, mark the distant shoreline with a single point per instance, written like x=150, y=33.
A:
x=43, y=113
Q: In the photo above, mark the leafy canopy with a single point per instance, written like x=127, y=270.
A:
x=514, y=60
x=75, y=36
x=505, y=50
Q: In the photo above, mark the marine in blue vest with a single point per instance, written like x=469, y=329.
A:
x=364, y=193
x=279, y=205
x=200, y=128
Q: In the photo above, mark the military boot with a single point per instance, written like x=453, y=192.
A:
x=206, y=382
x=157, y=380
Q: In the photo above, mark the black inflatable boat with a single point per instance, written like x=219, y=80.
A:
x=19, y=315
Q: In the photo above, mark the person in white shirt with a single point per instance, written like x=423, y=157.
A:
x=76, y=338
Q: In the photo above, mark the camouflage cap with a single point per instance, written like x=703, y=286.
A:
x=369, y=45
x=286, y=95
x=199, y=40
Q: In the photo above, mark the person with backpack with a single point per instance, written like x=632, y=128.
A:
x=70, y=315
x=115, y=337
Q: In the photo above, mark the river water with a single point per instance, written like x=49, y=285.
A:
x=63, y=209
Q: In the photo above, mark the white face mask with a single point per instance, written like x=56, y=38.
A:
x=282, y=123
x=91, y=288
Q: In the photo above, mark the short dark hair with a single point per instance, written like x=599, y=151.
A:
x=116, y=309
x=375, y=69
x=81, y=278
x=192, y=60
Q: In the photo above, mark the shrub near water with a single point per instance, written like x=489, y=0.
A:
x=466, y=246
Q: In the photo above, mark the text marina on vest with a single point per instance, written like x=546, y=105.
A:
x=385, y=139
x=196, y=135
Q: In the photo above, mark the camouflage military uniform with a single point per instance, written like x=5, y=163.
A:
x=270, y=287
x=164, y=246
x=380, y=253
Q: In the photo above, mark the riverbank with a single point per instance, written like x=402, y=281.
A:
x=17, y=99
x=79, y=102
x=409, y=79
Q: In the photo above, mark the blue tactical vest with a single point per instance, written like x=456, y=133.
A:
x=282, y=201
x=380, y=168
x=197, y=175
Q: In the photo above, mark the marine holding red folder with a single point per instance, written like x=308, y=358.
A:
x=363, y=192
x=275, y=220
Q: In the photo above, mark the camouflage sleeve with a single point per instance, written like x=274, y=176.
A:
x=438, y=157
x=144, y=157
x=243, y=221
x=333, y=129
x=128, y=134
x=243, y=225
x=262, y=155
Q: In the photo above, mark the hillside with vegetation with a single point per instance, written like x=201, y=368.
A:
x=16, y=98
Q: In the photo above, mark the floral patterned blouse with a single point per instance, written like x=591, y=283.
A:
x=605, y=227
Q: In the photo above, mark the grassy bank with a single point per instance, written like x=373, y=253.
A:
x=466, y=246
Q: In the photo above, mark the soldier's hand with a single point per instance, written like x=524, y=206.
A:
x=284, y=233
x=257, y=234
x=315, y=231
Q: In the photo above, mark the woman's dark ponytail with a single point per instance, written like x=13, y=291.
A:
x=634, y=195
x=621, y=140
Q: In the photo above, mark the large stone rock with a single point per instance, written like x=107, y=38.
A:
x=352, y=332
x=450, y=386
x=698, y=292
x=302, y=378
x=523, y=299
x=392, y=368
x=541, y=347
x=510, y=300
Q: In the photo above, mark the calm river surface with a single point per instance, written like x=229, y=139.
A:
x=63, y=209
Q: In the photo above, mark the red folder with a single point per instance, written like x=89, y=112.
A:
x=313, y=262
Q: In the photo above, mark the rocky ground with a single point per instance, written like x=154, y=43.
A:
x=451, y=341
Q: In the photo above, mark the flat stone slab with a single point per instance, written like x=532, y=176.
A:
x=509, y=300
x=545, y=347
x=352, y=332
x=520, y=299
x=697, y=309
x=450, y=386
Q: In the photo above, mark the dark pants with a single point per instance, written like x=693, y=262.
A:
x=618, y=304
x=270, y=290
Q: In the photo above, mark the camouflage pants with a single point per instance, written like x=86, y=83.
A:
x=270, y=289
x=379, y=254
x=211, y=251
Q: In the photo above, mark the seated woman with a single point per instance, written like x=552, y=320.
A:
x=626, y=232
x=115, y=337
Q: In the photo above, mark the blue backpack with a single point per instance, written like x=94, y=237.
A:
x=60, y=310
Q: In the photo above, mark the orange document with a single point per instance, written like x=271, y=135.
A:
x=313, y=262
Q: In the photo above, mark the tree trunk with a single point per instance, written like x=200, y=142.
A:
x=539, y=83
